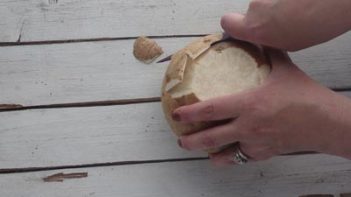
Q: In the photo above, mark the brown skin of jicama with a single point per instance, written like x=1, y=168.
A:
x=290, y=112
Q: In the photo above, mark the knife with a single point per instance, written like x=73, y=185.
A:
x=225, y=37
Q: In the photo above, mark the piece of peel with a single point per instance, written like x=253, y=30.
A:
x=179, y=61
x=146, y=49
x=195, y=49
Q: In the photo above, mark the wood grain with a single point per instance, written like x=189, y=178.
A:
x=70, y=53
x=34, y=20
x=327, y=58
x=281, y=176
x=90, y=135
x=74, y=136
x=79, y=72
x=317, y=195
x=100, y=71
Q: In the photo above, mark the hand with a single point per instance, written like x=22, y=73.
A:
x=290, y=24
x=289, y=113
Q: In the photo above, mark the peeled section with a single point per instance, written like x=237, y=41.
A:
x=219, y=72
x=210, y=71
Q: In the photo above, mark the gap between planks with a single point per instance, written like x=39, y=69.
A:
x=14, y=107
x=122, y=163
x=98, y=71
x=17, y=107
x=276, y=177
x=119, y=163
x=48, y=42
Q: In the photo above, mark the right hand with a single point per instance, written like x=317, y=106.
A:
x=288, y=113
x=290, y=24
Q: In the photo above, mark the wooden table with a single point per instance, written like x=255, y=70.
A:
x=84, y=104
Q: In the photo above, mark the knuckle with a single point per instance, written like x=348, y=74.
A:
x=257, y=104
x=257, y=131
x=257, y=30
x=208, y=141
x=184, y=144
x=180, y=113
x=251, y=104
x=208, y=111
x=237, y=130
x=248, y=102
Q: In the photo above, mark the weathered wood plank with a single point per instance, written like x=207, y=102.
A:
x=282, y=176
x=327, y=58
x=56, y=137
x=346, y=93
x=75, y=136
x=79, y=72
x=92, y=71
x=34, y=20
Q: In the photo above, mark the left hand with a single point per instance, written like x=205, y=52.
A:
x=288, y=113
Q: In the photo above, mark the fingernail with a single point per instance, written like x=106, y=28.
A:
x=175, y=116
x=180, y=143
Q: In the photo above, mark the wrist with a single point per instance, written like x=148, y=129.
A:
x=343, y=8
x=337, y=135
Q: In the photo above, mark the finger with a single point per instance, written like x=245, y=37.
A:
x=211, y=138
x=223, y=158
x=253, y=153
x=225, y=107
x=234, y=24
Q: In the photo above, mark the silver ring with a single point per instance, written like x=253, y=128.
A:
x=239, y=157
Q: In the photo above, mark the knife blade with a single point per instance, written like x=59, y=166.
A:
x=225, y=37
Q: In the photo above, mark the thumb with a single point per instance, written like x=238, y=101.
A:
x=279, y=60
x=276, y=56
x=234, y=24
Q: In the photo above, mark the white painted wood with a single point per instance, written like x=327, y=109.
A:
x=39, y=138
x=44, y=74
x=74, y=19
x=283, y=177
x=323, y=62
x=78, y=72
x=73, y=136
